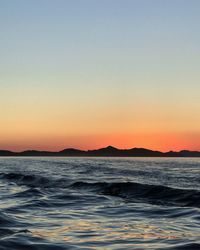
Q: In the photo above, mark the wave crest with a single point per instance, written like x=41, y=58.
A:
x=156, y=194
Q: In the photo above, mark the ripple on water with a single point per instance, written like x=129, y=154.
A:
x=99, y=204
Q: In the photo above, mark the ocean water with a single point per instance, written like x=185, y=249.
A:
x=99, y=203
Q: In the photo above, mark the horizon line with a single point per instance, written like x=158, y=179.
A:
x=88, y=150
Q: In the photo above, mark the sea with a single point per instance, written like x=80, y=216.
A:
x=99, y=203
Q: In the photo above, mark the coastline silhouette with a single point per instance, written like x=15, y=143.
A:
x=109, y=151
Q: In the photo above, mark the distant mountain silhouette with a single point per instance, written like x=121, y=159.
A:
x=6, y=153
x=104, y=152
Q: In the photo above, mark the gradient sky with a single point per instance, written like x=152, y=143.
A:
x=88, y=73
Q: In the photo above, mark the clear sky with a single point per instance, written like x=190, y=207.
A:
x=88, y=73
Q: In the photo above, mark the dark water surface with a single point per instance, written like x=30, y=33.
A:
x=99, y=203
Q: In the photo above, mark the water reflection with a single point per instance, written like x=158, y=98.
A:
x=90, y=231
x=40, y=212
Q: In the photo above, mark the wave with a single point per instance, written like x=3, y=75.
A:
x=185, y=246
x=8, y=221
x=137, y=192
x=30, y=192
x=130, y=191
x=27, y=179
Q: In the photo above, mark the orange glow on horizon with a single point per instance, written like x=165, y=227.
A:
x=155, y=141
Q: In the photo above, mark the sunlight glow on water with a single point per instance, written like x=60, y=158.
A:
x=144, y=234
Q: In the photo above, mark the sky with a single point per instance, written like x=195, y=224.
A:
x=92, y=73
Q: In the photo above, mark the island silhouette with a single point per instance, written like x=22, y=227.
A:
x=109, y=151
